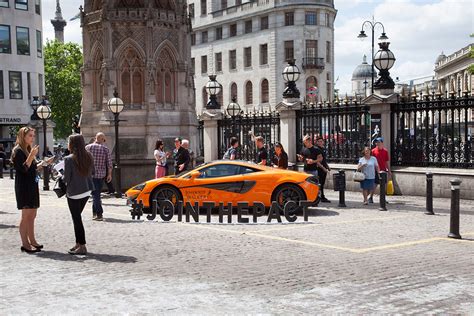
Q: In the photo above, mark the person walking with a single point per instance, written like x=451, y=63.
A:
x=280, y=159
x=231, y=152
x=181, y=157
x=3, y=155
x=262, y=154
x=160, y=156
x=383, y=160
x=78, y=167
x=102, y=169
x=369, y=167
x=26, y=187
x=323, y=168
x=311, y=156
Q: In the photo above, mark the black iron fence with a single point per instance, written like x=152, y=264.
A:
x=433, y=130
x=245, y=127
x=345, y=127
x=200, y=130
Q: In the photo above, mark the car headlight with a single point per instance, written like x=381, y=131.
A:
x=313, y=180
x=139, y=187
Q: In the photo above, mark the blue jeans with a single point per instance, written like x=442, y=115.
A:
x=96, y=202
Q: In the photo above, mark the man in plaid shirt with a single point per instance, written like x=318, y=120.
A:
x=102, y=168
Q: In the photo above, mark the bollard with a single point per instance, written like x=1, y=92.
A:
x=342, y=191
x=429, y=194
x=454, y=218
x=1, y=168
x=383, y=191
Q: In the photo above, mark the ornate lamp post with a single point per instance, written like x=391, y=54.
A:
x=213, y=88
x=234, y=110
x=383, y=37
x=44, y=113
x=34, y=105
x=384, y=60
x=291, y=74
x=116, y=106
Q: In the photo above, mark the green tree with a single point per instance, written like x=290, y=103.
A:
x=62, y=66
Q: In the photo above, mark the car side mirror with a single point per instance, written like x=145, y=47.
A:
x=195, y=174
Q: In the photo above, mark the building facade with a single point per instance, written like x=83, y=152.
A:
x=142, y=49
x=362, y=79
x=452, y=71
x=21, y=64
x=247, y=43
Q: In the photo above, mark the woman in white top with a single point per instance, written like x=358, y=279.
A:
x=368, y=166
x=161, y=156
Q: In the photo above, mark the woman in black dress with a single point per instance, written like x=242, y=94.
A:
x=280, y=160
x=26, y=187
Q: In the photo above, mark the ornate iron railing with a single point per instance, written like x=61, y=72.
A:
x=245, y=127
x=433, y=130
x=345, y=127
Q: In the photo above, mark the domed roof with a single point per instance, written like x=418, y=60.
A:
x=363, y=71
x=440, y=58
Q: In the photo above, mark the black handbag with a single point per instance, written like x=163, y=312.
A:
x=60, y=187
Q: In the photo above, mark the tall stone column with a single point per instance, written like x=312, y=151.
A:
x=211, y=140
x=287, y=110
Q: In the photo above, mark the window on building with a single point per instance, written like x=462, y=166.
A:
x=5, y=40
x=16, y=90
x=328, y=76
x=218, y=58
x=204, y=37
x=38, y=7
x=40, y=84
x=311, y=18
x=218, y=33
x=265, y=91
x=193, y=66
x=238, y=2
x=327, y=19
x=289, y=50
x=311, y=50
x=232, y=59
x=248, y=93
x=264, y=54
x=328, y=91
x=311, y=83
x=328, y=52
x=205, y=97
x=264, y=23
x=289, y=18
x=223, y=4
x=21, y=4
x=204, y=64
x=233, y=30
x=39, y=44
x=4, y=4
x=193, y=39
x=233, y=92
x=191, y=10
x=2, y=95
x=248, y=26
x=248, y=57
x=28, y=85
x=203, y=7
x=22, y=40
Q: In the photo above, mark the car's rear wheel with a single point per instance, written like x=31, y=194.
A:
x=166, y=192
x=288, y=192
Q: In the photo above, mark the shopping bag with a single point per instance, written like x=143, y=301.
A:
x=390, y=189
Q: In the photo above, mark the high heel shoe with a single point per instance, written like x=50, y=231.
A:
x=23, y=249
x=38, y=246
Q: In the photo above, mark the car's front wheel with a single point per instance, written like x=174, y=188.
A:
x=166, y=192
x=288, y=192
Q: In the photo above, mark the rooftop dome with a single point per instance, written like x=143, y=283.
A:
x=363, y=71
x=441, y=57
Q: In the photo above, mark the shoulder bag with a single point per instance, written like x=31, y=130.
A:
x=60, y=187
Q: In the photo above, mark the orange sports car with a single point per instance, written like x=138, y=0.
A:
x=229, y=181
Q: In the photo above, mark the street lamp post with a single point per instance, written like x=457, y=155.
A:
x=383, y=37
x=291, y=74
x=384, y=60
x=44, y=113
x=116, y=106
x=234, y=110
x=213, y=89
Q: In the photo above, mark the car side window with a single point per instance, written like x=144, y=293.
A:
x=217, y=171
x=246, y=170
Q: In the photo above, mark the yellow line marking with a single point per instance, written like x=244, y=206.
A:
x=399, y=245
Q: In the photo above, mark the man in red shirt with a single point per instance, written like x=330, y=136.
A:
x=383, y=159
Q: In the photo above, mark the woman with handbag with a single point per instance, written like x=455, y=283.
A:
x=369, y=167
x=78, y=167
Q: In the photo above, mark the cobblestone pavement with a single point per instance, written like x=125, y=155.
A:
x=354, y=260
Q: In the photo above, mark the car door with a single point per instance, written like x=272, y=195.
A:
x=258, y=185
x=216, y=183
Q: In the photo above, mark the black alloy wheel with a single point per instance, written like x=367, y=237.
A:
x=288, y=192
x=166, y=192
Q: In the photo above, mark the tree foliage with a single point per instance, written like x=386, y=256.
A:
x=62, y=65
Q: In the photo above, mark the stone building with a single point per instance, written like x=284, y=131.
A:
x=246, y=44
x=141, y=48
x=362, y=79
x=452, y=73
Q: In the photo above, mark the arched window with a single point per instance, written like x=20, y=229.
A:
x=233, y=91
x=132, y=88
x=97, y=84
x=311, y=84
x=205, y=97
x=165, y=78
x=137, y=87
x=126, y=92
x=264, y=91
x=248, y=93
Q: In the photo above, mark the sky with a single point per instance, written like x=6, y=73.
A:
x=418, y=30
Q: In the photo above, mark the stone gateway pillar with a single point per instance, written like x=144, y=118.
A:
x=142, y=49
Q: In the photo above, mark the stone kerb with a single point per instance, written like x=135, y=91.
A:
x=211, y=118
x=287, y=110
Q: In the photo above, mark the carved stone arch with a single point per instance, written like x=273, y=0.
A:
x=166, y=45
x=165, y=4
x=129, y=4
x=131, y=74
x=98, y=73
x=127, y=43
x=166, y=60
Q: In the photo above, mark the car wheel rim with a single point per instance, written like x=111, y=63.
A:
x=288, y=194
x=167, y=194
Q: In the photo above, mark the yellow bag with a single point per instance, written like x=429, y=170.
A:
x=390, y=189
